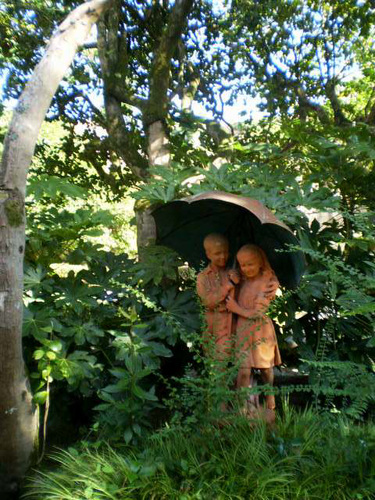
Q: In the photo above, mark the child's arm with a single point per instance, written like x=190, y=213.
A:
x=211, y=297
x=234, y=307
x=272, y=287
x=261, y=303
x=263, y=299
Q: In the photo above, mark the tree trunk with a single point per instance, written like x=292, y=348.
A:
x=155, y=110
x=158, y=154
x=18, y=416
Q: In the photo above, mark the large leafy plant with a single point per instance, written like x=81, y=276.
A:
x=97, y=324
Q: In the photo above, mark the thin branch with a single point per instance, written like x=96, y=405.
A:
x=96, y=110
x=296, y=87
x=221, y=114
x=89, y=45
x=330, y=89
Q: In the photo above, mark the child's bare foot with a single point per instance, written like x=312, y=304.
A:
x=252, y=411
x=223, y=407
x=270, y=417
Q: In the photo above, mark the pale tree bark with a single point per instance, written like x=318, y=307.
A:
x=18, y=418
x=158, y=155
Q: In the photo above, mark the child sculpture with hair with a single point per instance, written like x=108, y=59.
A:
x=256, y=343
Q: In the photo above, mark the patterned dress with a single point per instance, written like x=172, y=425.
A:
x=212, y=292
x=256, y=343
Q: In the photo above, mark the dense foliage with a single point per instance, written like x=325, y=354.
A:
x=117, y=338
x=309, y=456
x=103, y=330
x=97, y=323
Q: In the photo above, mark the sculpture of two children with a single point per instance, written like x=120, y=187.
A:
x=235, y=311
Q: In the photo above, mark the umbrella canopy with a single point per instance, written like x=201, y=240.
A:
x=183, y=224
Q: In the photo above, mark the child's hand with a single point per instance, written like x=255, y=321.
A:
x=234, y=276
x=270, y=291
x=231, y=304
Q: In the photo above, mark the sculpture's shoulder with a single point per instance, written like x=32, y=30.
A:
x=273, y=279
x=205, y=272
x=203, y=277
x=268, y=276
x=269, y=284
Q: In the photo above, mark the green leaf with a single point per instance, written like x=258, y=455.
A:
x=40, y=397
x=137, y=429
x=55, y=345
x=37, y=323
x=51, y=186
x=88, y=492
x=38, y=354
x=35, y=279
x=140, y=393
x=128, y=435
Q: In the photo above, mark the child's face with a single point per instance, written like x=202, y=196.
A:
x=250, y=264
x=218, y=254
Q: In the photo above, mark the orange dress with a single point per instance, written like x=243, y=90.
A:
x=212, y=292
x=256, y=343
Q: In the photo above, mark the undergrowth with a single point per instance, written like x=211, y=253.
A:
x=308, y=455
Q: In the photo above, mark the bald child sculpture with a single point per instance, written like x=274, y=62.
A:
x=214, y=285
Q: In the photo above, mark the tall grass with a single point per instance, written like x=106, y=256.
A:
x=307, y=456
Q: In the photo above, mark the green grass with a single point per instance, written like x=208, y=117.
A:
x=308, y=456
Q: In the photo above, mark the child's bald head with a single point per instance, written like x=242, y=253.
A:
x=216, y=247
x=215, y=239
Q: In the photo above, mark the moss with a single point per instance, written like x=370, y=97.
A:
x=157, y=105
x=142, y=205
x=14, y=212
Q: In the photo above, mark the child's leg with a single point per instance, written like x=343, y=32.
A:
x=243, y=380
x=268, y=378
x=221, y=357
x=243, y=377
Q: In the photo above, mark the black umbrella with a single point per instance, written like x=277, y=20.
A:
x=183, y=224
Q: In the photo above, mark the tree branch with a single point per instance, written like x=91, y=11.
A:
x=188, y=93
x=99, y=115
x=89, y=45
x=37, y=95
x=340, y=118
x=304, y=101
x=157, y=104
x=112, y=62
